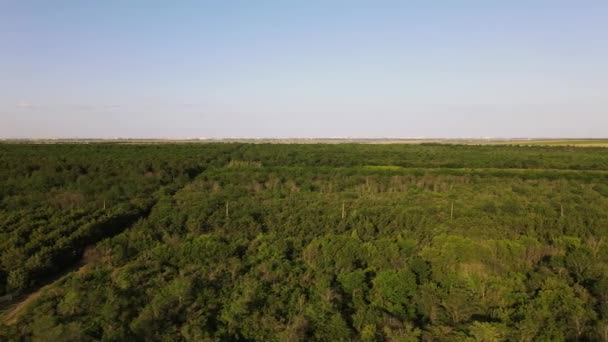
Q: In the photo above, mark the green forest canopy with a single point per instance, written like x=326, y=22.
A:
x=287, y=242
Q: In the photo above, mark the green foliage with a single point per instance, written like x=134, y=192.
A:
x=248, y=242
x=393, y=291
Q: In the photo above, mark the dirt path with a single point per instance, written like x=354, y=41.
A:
x=10, y=314
x=10, y=317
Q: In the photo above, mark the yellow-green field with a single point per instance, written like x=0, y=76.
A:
x=558, y=142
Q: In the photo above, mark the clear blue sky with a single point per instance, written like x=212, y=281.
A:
x=179, y=69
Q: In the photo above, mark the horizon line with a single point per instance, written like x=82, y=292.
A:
x=294, y=138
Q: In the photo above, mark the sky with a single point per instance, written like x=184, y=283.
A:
x=306, y=69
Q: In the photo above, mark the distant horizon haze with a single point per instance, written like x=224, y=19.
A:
x=303, y=70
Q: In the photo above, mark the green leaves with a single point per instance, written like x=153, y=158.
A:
x=393, y=290
x=307, y=242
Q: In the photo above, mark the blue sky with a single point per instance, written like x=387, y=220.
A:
x=303, y=69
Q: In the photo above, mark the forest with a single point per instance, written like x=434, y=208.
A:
x=303, y=242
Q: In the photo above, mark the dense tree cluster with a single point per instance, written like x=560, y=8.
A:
x=312, y=242
x=57, y=199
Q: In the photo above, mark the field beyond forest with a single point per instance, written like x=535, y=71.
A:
x=304, y=242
